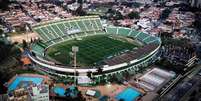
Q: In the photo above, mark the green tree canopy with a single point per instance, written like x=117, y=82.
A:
x=165, y=13
x=114, y=14
x=134, y=15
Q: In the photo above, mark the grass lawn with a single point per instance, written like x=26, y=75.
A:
x=92, y=49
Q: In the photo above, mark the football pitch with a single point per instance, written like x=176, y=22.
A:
x=92, y=49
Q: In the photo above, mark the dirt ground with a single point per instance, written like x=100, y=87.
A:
x=27, y=37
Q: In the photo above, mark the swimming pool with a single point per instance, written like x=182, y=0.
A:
x=59, y=90
x=129, y=94
x=24, y=81
x=71, y=91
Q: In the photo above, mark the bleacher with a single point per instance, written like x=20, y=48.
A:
x=56, y=31
x=89, y=25
x=123, y=31
x=149, y=39
x=134, y=33
x=95, y=25
x=38, y=49
x=131, y=55
x=111, y=30
x=98, y=22
x=143, y=37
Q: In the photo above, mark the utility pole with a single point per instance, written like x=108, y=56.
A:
x=75, y=50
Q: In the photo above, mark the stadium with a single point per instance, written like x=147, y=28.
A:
x=111, y=48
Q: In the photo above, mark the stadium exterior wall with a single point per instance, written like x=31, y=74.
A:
x=133, y=67
x=139, y=63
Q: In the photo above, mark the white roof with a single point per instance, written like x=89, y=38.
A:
x=91, y=92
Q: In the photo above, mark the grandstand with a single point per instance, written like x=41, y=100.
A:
x=92, y=34
x=61, y=30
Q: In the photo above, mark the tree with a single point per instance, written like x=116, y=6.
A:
x=136, y=4
x=165, y=13
x=4, y=50
x=134, y=15
x=24, y=44
x=100, y=70
x=80, y=1
x=79, y=96
x=193, y=93
x=117, y=15
x=3, y=89
x=1, y=31
x=67, y=92
x=76, y=89
x=79, y=11
x=77, y=73
x=4, y=4
x=102, y=79
x=121, y=99
x=114, y=14
x=113, y=78
x=126, y=74
x=197, y=24
x=89, y=73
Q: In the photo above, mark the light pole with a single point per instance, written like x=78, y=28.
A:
x=75, y=49
x=27, y=33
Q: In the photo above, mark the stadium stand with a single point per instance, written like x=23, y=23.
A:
x=111, y=30
x=53, y=32
x=38, y=49
x=123, y=31
x=143, y=37
x=131, y=55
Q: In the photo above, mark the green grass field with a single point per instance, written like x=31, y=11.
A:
x=92, y=49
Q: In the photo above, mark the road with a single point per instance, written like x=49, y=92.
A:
x=185, y=78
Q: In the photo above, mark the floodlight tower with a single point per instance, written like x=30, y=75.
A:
x=27, y=33
x=75, y=49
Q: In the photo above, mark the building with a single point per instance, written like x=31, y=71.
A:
x=4, y=97
x=20, y=94
x=31, y=93
x=39, y=93
x=195, y=3
x=145, y=23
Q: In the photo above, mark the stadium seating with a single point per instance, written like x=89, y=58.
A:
x=38, y=49
x=134, y=33
x=88, y=24
x=56, y=31
x=123, y=31
x=81, y=25
x=149, y=39
x=95, y=25
x=111, y=30
x=53, y=32
x=98, y=23
x=143, y=37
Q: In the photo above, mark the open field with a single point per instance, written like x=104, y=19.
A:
x=92, y=49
